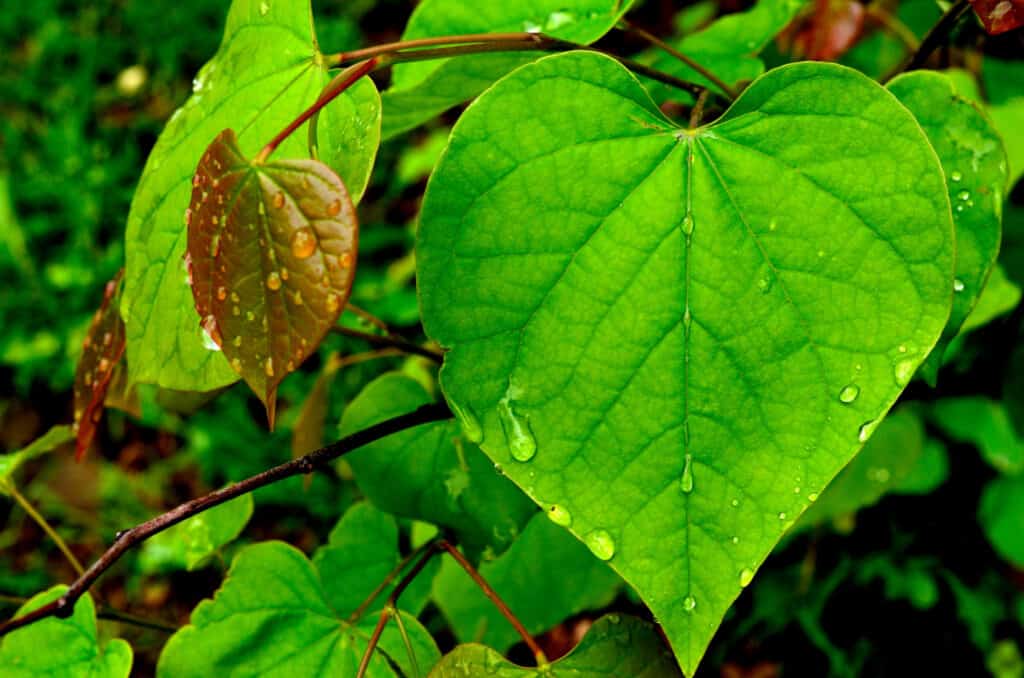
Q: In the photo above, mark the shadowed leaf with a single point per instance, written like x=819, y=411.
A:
x=101, y=351
x=271, y=254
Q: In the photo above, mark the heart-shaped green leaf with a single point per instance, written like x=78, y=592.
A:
x=675, y=338
x=423, y=90
x=974, y=161
x=268, y=69
x=101, y=352
x=614, y=647
x=271, y=256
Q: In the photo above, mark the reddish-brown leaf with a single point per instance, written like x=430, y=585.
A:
x=271, y=255
x=999, y=16
x=101, y=352
x=830, y=31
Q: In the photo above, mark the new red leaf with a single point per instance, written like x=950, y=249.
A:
x=101, y=352
x=271, y=255
x=999, y=16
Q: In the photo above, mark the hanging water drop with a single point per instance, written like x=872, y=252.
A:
x=849, y=393
x=521, y=443
x=689, y=603
x=687, y=225
x=958, y=285
x=303, y=243
x=274, y=281
x=601, y=544
x=765, y=284
x=686, y=482
x=746, y=576
x=560, y=515
x=865, y=431
x=782, y=516
x=964, y=195
x=468, y=422
x=956, y=176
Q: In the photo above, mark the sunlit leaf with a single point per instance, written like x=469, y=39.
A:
x=271, y=257
x=63, y=648
x=101, y=352
x=614, y=647
x=974, y=162
x=676, y=336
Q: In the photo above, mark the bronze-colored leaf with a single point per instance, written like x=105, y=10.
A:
x=999, y=16
x=101, y=352
x=271, y=255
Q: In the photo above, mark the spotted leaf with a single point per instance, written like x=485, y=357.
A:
x=271, y=254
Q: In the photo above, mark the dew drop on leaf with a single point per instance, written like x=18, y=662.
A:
x=521, y=443
x=279, y=200
x=689, y=603
x=903, y=370
x=268, y=367
x=746, y=576
x=601, y=544
x=849, y=393
x=303, y=243
x=332, y=302
x=274, y=281
x=222, y=293
x=686, y=482
x=956, y=176
x=964, y=195
x=334, y=209
x=687, y=225
x=560, y=515
x=958, y=285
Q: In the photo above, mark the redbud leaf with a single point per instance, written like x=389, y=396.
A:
x=102, y=349
x=271, y=255
x=999, y=16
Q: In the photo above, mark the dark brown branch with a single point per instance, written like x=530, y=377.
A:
x=65, y=605
x=937, y=35
x=392, y=341
x=672, y=51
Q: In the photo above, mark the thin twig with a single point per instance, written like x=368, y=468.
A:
x=391, y=576
x=107, y=613
x=392, y=341
x=936, y=36
x=369, y=317
x=698, y=110
x=46, y=527
x=669, y=49
x=890, y=23
x=64, y=606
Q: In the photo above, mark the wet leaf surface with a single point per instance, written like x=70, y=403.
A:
x=101, y=351
x=271, y=255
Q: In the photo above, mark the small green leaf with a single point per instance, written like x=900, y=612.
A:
x=49, y=441
x=63, y=648
x=101, y=352
x=614, y=647
x=1002, y=79
x=271, y=617
x=728, y=48
x=423, y=90
x=268, y=70
x=1001, y=515
x=271, y=256
x=545, y=577
x=432, y=472
x=887, y=459
x=678, y=335
x=985, y=424
x=974, y=161
x=930, y=471
x=189, y=544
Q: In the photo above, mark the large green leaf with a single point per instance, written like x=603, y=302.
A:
x=267, y=70
x=985, y=424
x=728, y=48
x=675, y=337
x=59, y=648
x=545, y=577
x=423, y=90
x=614, y=647
x=272, y=617
x=974, y=161
x=429, y=473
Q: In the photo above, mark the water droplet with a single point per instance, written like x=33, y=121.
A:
x=964, y=195
x=746, y=576
x=734, y=503
x=279, y=200
x=334, y=209
x=614, y=619
x=108, y=338
x=904, y=370
x=268, y=367
x=796, y=490
x=236, y=364
x=560, y=515
x=687, y=225
x=222, y=293
x=521, y=442
x=250, y=316
x=958, y=285
x=333, y=302
x=601, y=544
x=237, y=341
x=261, y=209
x=689, y=603
x=264, y=8
x=284, y=274
x=686, y=482
x=765, y=284
x=849, y=393
x=879, y=475
x=865, y=431
x=215, y=245
x=956, y=176
x=345, y=260
x=468, y=422
x=687, y=318
x=274, y=281
x=235, y=298
x=303, y=243
x=772, y=225
x=188, y=216
x=735, y=540
x=782, y=516
x=103, y=366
